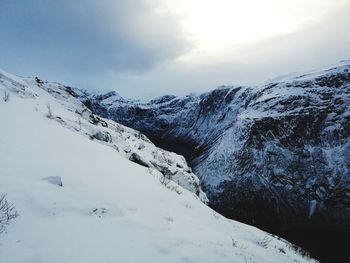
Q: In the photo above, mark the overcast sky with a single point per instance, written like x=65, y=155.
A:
x=146, y=48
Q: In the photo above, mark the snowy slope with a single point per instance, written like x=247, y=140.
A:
x=127, y=142
x=109, y=209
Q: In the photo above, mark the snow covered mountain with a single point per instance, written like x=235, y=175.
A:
x=88, y=189
x=276, y=156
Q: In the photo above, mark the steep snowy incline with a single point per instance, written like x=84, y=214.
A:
x=129, y=143
x=80, y=200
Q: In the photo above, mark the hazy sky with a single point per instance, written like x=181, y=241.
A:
x=146, y=48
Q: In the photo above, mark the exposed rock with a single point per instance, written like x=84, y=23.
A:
x=102, y=136
x=55, y=180
x=134, y=157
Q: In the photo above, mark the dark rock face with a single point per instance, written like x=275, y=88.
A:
x=276, y=156
x=102, y=136
x=134, y=157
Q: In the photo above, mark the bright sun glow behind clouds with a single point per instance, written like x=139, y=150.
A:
x=217, y=25
x=147, y=48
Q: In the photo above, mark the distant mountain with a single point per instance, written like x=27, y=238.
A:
x=88, y=189
x=276, y=156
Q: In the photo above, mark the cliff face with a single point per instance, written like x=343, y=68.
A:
x=276, y=156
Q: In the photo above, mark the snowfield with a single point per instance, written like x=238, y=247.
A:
x=80, y=199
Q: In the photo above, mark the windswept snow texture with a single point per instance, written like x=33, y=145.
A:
x=276, y=155
x=80, y=199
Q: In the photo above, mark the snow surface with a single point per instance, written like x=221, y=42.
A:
x=312, y=74
x=109, y=208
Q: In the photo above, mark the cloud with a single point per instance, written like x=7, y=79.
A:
x=138, y=47
x=87, y=35
x=324, y=42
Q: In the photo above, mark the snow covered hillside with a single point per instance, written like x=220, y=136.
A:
x=90, y=190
